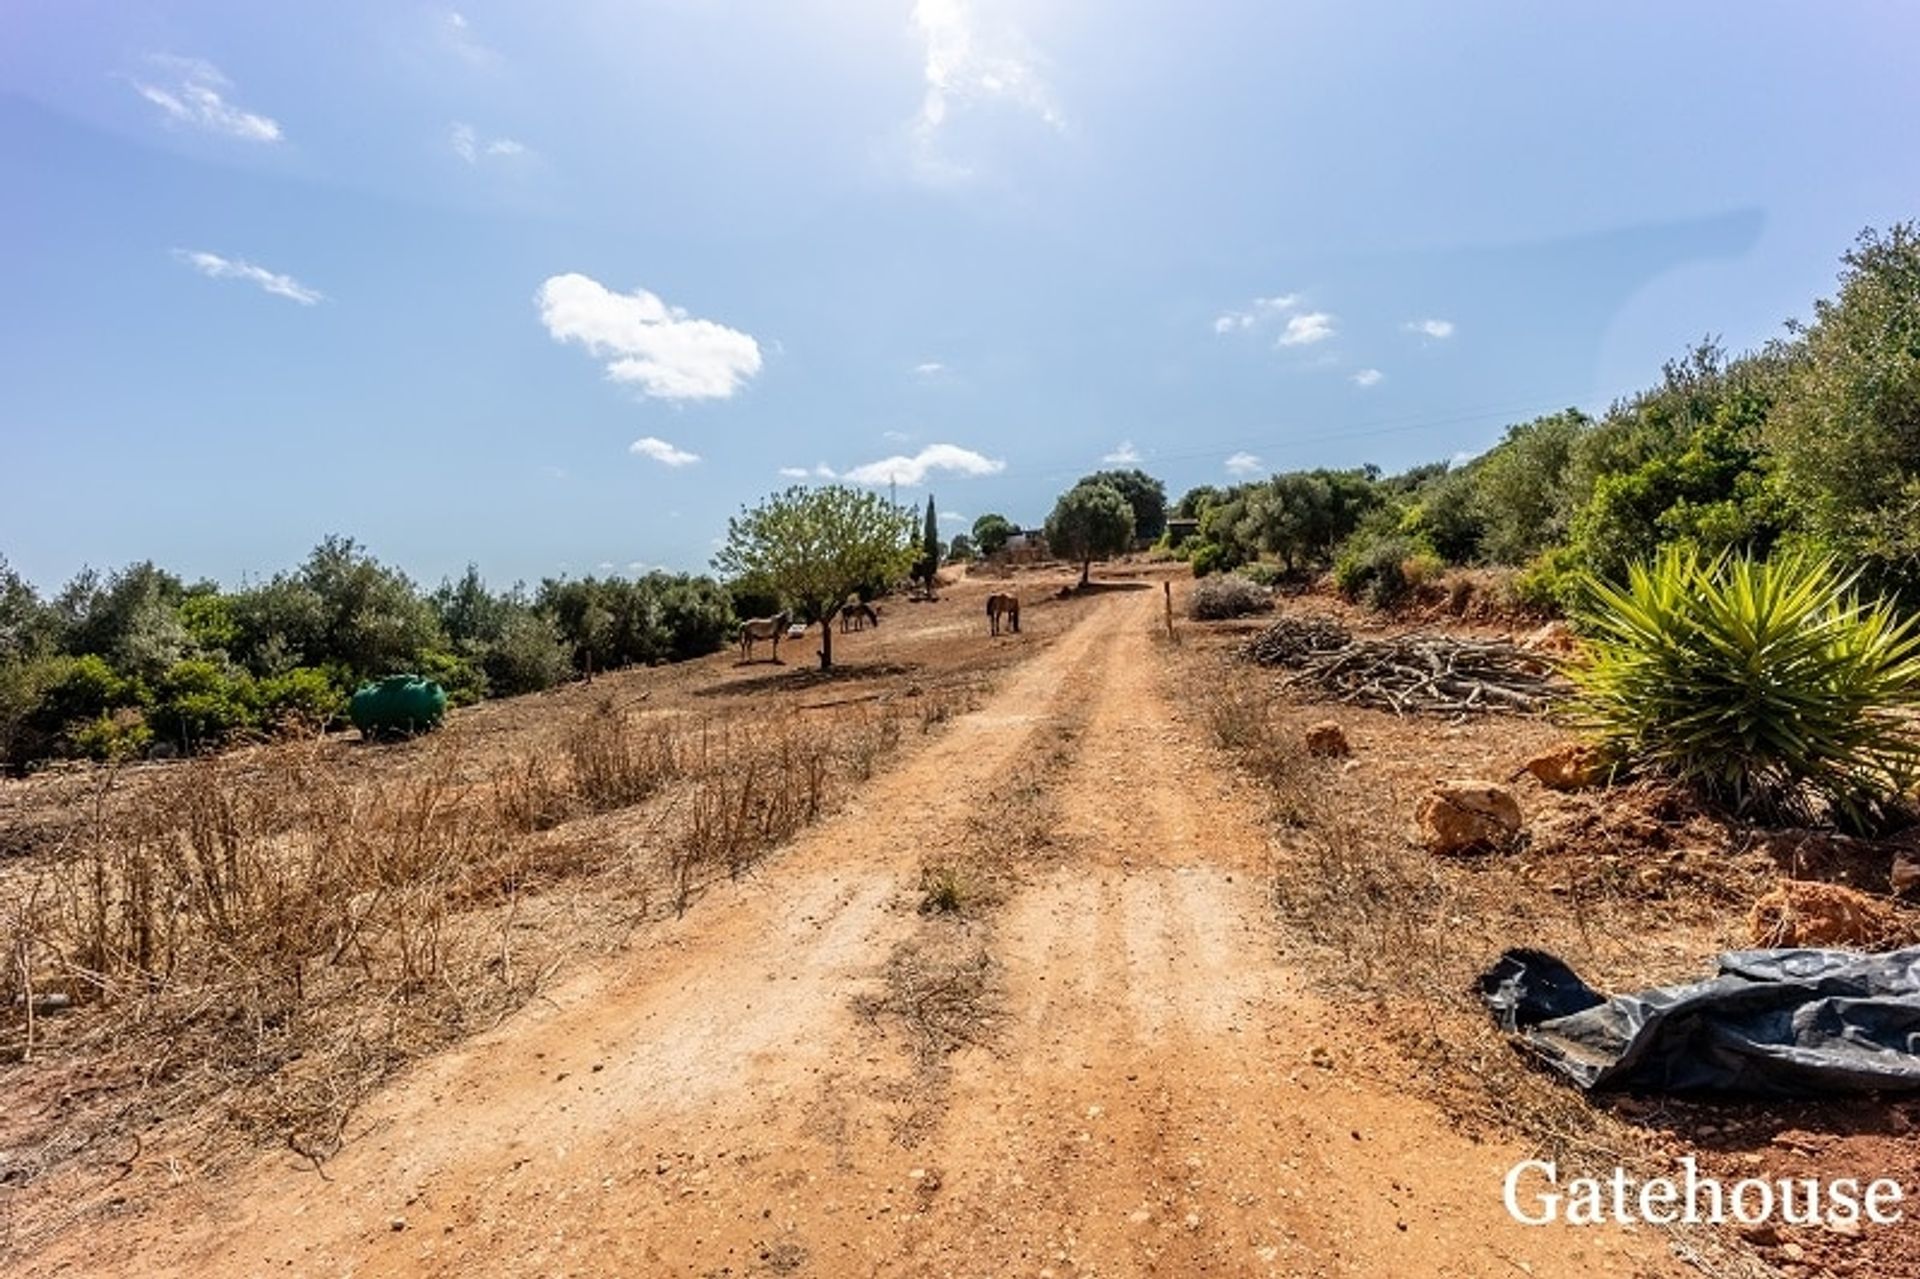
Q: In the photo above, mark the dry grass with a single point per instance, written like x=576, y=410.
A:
x=245, y=946
x=942, y=991
x=1381, y=923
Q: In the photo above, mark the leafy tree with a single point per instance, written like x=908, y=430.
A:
x=1445, y=516
x=28, y=628
x=1194, y=502
x=816, y=546
x=1846, y=432
x=1146, y=495
x=960, y=550
x=1521, y=487
x=372, y=619
x=1090, y=520
x=991, y=532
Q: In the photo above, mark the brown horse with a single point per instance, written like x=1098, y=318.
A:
x=1003, y=605
x=763, y=628
x=855, y=615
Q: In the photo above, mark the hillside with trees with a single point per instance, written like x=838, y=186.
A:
x=1811, y=444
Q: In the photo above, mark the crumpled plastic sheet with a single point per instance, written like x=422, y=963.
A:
x=1773, y=1023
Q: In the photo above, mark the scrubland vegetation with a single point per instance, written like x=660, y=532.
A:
x=113, y=666
x=1811, y=444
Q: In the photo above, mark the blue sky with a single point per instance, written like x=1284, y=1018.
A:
x=558, y=288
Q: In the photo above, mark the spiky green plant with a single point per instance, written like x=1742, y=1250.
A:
x=1770, y=684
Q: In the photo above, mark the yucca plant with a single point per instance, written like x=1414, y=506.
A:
x=1770, y=684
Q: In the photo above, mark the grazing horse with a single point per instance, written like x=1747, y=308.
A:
x=763, y=628
x=856, y=614
x=1003, y=605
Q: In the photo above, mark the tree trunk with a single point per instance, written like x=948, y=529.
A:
x=1086, y=567
x=826, y=641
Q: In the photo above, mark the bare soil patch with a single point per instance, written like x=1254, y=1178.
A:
x=1635, y=886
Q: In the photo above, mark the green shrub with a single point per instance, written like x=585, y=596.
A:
x=1208, y=558
x=304, y=697
x=121, y=735
x=1768, y=684
x=525, y=657
x=1260, y=574
x=463, y=679
x=84, y=688
x=198, y=704
x=1375, y=571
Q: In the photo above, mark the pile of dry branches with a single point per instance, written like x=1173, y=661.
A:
x=1292, y=640
x=1435, y=674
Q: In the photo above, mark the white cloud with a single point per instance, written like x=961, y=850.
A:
x=895, y=437
x=470, y=146
x=638, y=566
x=1368, y=377
x=823, y=471
x=910, y=472
x=952, y=517
x=669, y=355
x=1125, y=455
x=794, y=472
x=215, y=267
x=1303, y=330
x=1244, y=464
x=192, y=92
x=930, y=368
x=457, y=33
x=662, y=452
x=1431, y=328
x=964, y=66
x=1259, y=309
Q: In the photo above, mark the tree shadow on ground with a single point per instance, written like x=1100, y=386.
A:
x=798, y=678
x=1101, y=588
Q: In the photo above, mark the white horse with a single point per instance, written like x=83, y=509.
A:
x=763, y=628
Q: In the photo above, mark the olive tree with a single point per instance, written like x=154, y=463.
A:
x=1090, y=520
x=991, y=531
x=813, y=547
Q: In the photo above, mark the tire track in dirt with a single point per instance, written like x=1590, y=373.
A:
x=736, y=1018
x=1155, y=1107
x=715, y=1104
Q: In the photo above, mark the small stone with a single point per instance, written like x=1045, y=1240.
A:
x=1328, y=740
x=398, y=1223
x=1568, y=766
x=1469, y=816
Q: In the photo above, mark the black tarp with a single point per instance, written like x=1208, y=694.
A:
x=1775, y=1023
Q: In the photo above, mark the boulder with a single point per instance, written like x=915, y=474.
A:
x=1468, y=816
x=1568, y=766
x=1554, y=637
x=1328, y=740
x=1800, y=912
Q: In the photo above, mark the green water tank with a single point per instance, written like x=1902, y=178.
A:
x=398, y=704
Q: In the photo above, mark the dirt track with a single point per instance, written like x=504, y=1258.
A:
x=1156, y=1094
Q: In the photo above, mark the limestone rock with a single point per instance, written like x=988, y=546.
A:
x=1801, y=912
x=1465, y=816
x=1568, y=766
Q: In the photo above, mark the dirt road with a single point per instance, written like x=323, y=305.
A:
x=1150, y=1093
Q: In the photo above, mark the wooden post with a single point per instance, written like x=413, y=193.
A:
x=1168, y=588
